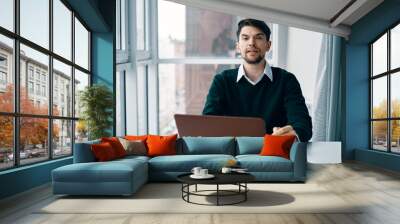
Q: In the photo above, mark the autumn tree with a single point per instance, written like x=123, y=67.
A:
x=380, y=127
x=6, y=122
x=33, y=131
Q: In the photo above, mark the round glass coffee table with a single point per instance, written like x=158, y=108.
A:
x=238, y=179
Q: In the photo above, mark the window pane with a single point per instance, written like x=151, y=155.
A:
x=7, y=14
x=81, y=131
x=395, y=129
x=395, y=47
x=62, y=29
x=140, y=24
x=81, y=81
x=62, y=138
x=379, y=135
x=118, y=24
x=183, y=89
x=120, y=103
x=6, y=142
x=6, y=74
x=142, y=98
x=81, y=45
x=62, y=89
x=379, y=55
x=195, y=32
x=35, y=21
x=379, y=97
x=395, y=95
x=34, y=81
x=33, y=139
x=123, y=24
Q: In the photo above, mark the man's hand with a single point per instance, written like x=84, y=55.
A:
x=286, y=130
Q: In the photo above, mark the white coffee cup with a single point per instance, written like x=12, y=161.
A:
x=196, y=170
x=226, y=170
x=203, y=172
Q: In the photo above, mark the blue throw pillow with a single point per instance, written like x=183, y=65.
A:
x=249, y=145
x=208, y=145
x=83, y=152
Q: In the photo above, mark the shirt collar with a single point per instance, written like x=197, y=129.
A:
x=267, y=72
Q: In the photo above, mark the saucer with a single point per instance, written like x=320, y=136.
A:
x=208, y=176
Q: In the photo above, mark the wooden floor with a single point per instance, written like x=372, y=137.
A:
x=377, y=188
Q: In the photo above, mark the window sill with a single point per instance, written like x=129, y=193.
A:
x=26, y=167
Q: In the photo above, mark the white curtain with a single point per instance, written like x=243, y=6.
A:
x=326, y=110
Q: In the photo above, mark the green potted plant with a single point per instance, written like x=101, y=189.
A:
x=96, y=102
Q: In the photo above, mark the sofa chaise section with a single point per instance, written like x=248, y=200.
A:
x=87, y=177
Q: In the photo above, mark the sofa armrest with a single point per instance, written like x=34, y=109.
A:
x=298, y=155
x=83, y=152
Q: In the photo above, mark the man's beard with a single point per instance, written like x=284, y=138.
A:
x=259, y=59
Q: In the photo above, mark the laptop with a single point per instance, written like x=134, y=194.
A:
x=212, y=126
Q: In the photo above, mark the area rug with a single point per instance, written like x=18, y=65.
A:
x=167, y=198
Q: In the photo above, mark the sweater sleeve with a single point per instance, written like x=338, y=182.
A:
x=296, y=109
x=214, y=101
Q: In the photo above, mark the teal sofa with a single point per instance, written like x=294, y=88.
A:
x=125, y=176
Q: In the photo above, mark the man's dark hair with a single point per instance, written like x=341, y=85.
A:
x=255, y=23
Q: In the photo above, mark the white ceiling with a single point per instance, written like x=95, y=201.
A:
x=315, y=15
x=318, y=9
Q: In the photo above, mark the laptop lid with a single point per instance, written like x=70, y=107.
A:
x=212, y=126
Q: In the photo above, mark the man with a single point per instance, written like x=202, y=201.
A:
x=257, y=90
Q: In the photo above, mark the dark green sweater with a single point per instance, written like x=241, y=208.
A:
x=279, y=102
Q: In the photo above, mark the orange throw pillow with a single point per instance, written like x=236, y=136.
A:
x=136, y=137
x=161, y=145
x=116, y=145
x=277, y=145
x=103, y=151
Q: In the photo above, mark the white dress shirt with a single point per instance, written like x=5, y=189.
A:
x=267, y=71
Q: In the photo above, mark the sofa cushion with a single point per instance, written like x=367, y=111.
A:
x=83, y=152
x=134, y=147
x=116, y=145
x=103, y=152
x=136, y=137
x=185, y=163
x=257, y=163
x=131, y=158
x=277, y=145
x=161, y=145
x=111, y=171
x=208, y=145
x=249, y=145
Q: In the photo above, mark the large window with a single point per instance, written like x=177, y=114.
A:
x=38, y=91
x=385, y=94
x=199, y=45
x=165, y=69
x=202, y=43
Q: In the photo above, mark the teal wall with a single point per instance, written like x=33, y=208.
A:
x=24, y=178
x=103, y=63
x=99, y=15
x=357, y=84
x=103, y=59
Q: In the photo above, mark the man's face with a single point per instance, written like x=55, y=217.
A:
x=252, y=44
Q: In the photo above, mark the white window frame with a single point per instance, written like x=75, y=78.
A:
x=129, y=59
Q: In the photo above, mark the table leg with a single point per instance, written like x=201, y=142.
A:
x=182, y=190
x=245, y=191
x=217, y=194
